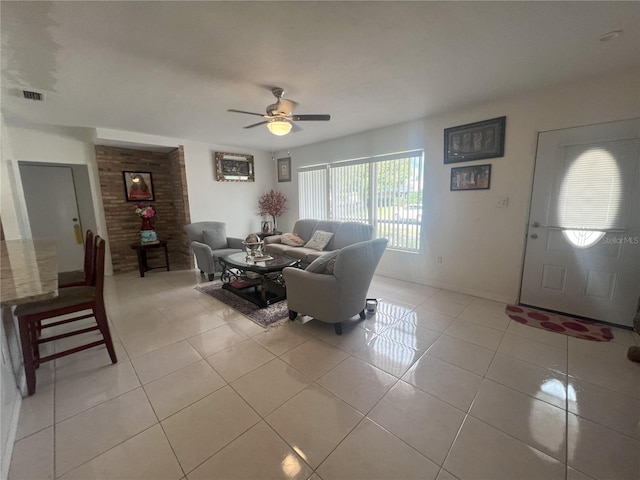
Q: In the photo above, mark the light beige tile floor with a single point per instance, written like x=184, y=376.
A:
x=436, y=385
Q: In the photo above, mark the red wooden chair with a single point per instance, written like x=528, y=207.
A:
x=78, y=278
x=69, y=300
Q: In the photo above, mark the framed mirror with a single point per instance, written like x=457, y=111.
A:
x=234, y=167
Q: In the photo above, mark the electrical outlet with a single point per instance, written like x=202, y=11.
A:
x=502, y=202
x=439, y=259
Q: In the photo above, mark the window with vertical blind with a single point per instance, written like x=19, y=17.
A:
x=385, y=191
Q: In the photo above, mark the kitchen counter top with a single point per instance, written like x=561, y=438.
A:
x=28, y=271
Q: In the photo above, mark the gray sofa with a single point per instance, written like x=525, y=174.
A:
x=209, y=242
x=344, y=234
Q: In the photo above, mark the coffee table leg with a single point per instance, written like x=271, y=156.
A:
x=263, y=292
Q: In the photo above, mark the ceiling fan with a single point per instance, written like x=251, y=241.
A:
x=280, y=115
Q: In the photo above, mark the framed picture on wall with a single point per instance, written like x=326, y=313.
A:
x=471, y=178
x=284, y=169
x=475, y=141
x=138, y=186
x=234, y=167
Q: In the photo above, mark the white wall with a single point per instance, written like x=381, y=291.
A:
x=233, y=202
x=482, y=246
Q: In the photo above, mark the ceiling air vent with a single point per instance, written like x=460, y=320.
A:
x=31, y=95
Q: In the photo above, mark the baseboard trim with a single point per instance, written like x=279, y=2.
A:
x=453, y=288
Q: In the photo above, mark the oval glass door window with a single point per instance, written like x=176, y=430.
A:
x=583, y=238
x=589, y=198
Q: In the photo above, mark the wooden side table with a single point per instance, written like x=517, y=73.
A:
x=141, y=250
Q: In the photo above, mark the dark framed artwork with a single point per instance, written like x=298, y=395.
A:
x=234, y=167
x=477, y=177
x=475, y=141
x=284, y=169
x=138, y=186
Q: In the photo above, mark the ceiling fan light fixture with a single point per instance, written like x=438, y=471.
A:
x=279, y=127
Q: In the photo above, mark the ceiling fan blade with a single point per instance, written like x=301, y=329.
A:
x=248, y=113
x=317, y=117
x=256, y=124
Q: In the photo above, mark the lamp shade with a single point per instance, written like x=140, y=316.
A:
x=279, y=127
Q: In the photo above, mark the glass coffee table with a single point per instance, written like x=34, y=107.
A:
x=257, y=280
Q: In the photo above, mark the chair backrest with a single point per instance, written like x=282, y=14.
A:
x=89, y=258
x=357, y=263
x=194, y=230
x=349, y=233
x=99, y=268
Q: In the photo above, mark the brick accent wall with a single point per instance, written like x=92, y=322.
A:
x=181, y=207
x=171, y=203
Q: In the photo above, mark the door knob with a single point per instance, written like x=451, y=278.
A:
x=533, y=235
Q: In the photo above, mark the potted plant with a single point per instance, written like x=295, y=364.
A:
x=272, y=204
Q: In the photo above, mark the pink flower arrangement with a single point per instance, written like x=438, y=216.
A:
x=145, y=210
x=272, y=203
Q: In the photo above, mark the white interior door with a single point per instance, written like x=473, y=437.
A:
x=583, y=243
x=53, y=211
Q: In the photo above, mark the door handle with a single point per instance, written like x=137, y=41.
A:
x=78, y=234
x=533, y=235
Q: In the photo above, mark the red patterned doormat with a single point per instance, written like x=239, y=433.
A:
x=559, y=323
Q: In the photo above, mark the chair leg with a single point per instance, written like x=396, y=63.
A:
x=103, y=324
x=362, y=315
x=27, y=355
x=338, y=328
x=292, y=315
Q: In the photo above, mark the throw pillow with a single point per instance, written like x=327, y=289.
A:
x=331, y=265
x=216, y=239
x=320, y=264
x=292, y=240
x=319, y=240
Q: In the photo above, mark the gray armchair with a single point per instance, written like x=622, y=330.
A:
x=209, y=242
x=335, y=297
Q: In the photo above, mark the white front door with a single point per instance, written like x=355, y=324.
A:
x=53, y=211
x=583, y=242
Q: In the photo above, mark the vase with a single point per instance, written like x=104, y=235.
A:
x=147, y=233
x=146, y=224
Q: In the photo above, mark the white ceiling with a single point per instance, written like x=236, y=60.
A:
x=174, y=68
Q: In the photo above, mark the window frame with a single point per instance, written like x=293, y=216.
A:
x=405, y=234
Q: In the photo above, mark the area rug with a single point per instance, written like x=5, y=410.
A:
x=270, y=316
x=559, y=323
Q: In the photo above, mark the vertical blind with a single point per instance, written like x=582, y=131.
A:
x=312, y=192
x=592, y=188
x=385, y=191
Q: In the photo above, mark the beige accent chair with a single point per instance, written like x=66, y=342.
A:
x=333, y=298
x=209, y=243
